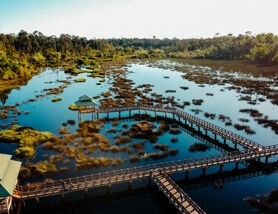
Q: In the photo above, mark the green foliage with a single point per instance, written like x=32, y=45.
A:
x=56, y=99
x=38, y=59
x=27, y=139
x=21, y=54
x=80, y=80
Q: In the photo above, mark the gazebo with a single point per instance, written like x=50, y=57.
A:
x=8, y=179
x=88, y=102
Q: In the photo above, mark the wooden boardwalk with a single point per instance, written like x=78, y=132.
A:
x=59, y=187
x=157, y=172
x=225, y=134
x=175, y=194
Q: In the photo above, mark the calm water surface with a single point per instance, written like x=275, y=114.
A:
x=163, y=75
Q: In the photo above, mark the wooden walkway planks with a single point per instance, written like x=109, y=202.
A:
x=175, y=194
x=45, y=189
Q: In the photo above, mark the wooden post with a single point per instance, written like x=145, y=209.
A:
x=7, y=205
x=224, y=140
x=236, y=165
x=215, y=136
x=206, y=132
x=204, y=171
x=266, y=160
x=129, y=184
x=187, y=174
x=119, y=114
x=235, y=145
x=79, y=117
x=220, y=167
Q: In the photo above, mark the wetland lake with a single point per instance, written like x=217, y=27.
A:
x=228, y=94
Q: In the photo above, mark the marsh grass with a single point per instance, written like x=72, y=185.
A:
x=27, y=139
x=134, y=159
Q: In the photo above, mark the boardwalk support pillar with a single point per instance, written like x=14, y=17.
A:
x=236, y=166
x=108, y=188
x=204, y=171
x=37, y=200
x=224, y=140
x=220, y=168
x=235, y=145
x=215, y=136
x=187, y=174
x=266, y=159
x=129, y=184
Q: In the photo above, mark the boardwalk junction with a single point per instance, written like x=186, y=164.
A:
x=159, y=174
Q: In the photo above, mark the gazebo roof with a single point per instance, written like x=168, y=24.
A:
x=86, y=100
x=8, y=175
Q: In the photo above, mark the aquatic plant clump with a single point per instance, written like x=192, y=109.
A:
x=27, y=139
x=56, y=99
x=80, y=80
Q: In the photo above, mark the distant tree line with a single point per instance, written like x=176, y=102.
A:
x=21, y=54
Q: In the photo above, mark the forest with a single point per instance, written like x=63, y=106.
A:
x=22, y=54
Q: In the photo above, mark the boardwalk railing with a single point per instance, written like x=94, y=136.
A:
x=57, y=187
x=175, y=194
x=245, y=142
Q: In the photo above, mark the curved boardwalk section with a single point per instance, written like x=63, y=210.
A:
x=226, y=134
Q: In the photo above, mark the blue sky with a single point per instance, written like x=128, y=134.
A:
x=139, y=18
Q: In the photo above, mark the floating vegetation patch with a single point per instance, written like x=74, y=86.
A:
x=184, y=87
x=174, y=131
x=196, y=111
x=96, y=97
x=71, y=122
x=209, y=115
x=244, y=120
x=198, y=147
x=73, y=107
x=186, y=103
x=261, y=119
x=245, y=128
x=56, y=99
x=267, y=203
x=252, y=112
x=210, y=94
x=161, y=147
x=80, y=80
x=174, y=140
x=197, y=102
x=27, y=139
x=134, y=159
x=170, y=91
